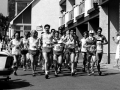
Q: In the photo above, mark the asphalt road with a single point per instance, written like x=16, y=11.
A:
x=110, y=80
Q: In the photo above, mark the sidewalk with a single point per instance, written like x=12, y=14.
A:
x=109, y=66
x=104, y=65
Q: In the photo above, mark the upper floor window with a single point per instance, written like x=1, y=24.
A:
x=20, y=6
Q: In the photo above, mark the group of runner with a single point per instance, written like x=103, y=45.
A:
x=56, y=49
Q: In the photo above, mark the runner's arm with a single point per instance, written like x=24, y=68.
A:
x=105, y=41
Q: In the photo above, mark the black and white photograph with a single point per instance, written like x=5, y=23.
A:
x=59, y=44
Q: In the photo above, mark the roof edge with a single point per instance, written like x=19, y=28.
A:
x=11, y=22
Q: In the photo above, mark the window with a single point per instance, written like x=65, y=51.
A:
x=27, y=27
x=20, y=6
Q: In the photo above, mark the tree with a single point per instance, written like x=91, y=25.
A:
x=11, y=5
x=4, y=24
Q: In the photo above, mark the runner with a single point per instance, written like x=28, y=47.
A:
x=77, y=50
x=58, y=53
x=60, y=33
x=70, y=42
x=41, y=55
x=53, y=31
x=91, y=52
x=46, y=39
x=65, y=59
x=101, y=40
x=24, y=50
x=16, y=46
x=51, y=57
x=33, y=49
x=83, y=50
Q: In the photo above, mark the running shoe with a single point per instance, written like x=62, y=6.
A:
x=15, y=73
x=47, y=76
x=100, y=73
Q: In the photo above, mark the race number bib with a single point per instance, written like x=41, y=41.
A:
x=58, y=48
x=92, y=48
x=71, y=46
x=48, y=44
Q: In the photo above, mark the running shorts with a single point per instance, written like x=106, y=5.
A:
x=24, y=51
x=34, y=52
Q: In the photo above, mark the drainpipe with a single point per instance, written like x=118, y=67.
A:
x=108, y=33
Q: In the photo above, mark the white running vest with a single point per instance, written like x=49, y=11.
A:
x=16, y=46
x=47, y=40
x=25, y=43
x=33, y=43
x=83, y=41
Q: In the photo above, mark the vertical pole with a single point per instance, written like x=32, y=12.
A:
x=109, y=32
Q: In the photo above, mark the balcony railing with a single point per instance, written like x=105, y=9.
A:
x=71, y=14
x=62, y=20
x=82, y=7
x=79, y=9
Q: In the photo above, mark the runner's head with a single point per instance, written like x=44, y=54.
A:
x=53, y=30
x=47, y=28
x=60, y=31
x=67, y=32
x=17, y=35
x=72, y=32
x=91, y=33
x=56, y=34
x=99, y=31
x=34, y=33
x=85, y=34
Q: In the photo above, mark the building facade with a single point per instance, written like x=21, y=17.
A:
x=84, y=15
x=37, y=12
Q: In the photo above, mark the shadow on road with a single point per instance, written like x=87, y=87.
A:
x=14, y=84
x=108, y=74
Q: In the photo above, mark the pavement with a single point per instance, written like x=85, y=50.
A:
x=110, y=66
x=109, y=80
x=25, y=81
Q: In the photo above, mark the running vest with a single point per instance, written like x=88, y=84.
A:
x=99, y=42
x=33, y=43
x=55, y=40
x=57, y=45
x=70, y=42
x=16, y=47
x=25, y=43
x=47, y=40
x=83, y=42
x=91, y=42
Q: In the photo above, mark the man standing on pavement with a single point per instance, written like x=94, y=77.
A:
x=101, y=40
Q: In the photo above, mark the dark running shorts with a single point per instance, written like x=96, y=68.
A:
x=70, y=50
x=57, y=52
x=46, y=49
x=24, y=51
x=34, y=52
